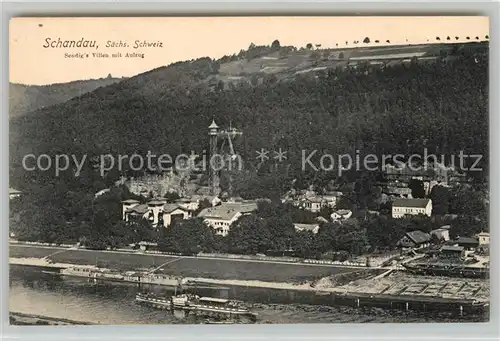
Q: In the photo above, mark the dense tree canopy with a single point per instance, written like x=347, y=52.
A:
x=400, y=109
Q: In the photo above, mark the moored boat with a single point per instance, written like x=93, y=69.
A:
x=93, y=272
x=157, y=301
x=206, y=306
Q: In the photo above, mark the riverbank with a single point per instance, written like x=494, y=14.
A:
x=20, y=319
x=370, y=288
x=185, y=266
x=375, y=261
x=345, y=286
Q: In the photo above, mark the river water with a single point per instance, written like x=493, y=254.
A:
x=35, y=292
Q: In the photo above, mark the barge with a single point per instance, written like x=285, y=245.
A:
x=95, y=273
x=458, y=306
x=201, y=306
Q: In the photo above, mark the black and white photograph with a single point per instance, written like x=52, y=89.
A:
x=248, y=170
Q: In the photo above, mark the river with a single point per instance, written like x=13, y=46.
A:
x=35, y=292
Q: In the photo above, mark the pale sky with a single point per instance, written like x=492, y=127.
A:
x=187, y=38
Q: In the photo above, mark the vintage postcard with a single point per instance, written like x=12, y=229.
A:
x=217, y=170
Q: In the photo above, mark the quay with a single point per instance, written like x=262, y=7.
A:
x=365, y=287
x=405, y=298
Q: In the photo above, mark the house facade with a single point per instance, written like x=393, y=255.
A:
x=483, y=238
x=441, y=233
x=155, y=208
x=415, y=240
x=341, y=215
x=314, y=228
x=156, y=212
x=139, y=211
x=310, y=200
x=452, y=252
x=412, y=207
x=188, y=204
x=221, y=217
x=469, y=244
x=174, y=212
x=313, y=204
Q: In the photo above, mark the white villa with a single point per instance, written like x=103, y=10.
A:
x=153, y=210
x=174, y=212
x=341, y=215
x=221, y=217
x=483, y=238
x=402, y=207
x=314, y=228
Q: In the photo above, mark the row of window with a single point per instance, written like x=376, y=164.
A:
x=221, y=223
x=409, y=210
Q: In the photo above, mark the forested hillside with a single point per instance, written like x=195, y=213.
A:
x=401, y=109
x=24, y=99
x=397, y=108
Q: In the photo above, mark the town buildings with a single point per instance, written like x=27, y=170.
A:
x=452, y=252
x=174, y=212
x=192, y=203
x=221, y=217
x=155, y=209
x=403, y=207
x=469, y=244
x=311, y=201
x=314, y=228
x=483, y=238
x=415, y=239
x=157, y=212
x=442, y=233
x=341, y=215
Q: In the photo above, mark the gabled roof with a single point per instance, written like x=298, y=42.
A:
x=441, y=229
x=452, y=248
x=467, y=240
x=167, y=208
x=140, y=209
x=418, y=237
x=213, y=125
x=315, y=199
x=416, y=203
x=156, y=202
x=130, y=201
x=227, y=211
